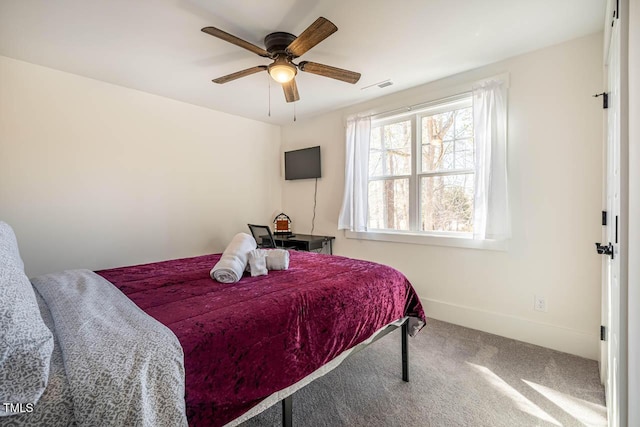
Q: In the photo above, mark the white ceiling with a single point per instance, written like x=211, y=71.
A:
x=156, y=45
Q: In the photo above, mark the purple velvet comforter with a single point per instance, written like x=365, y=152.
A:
x=244, y=341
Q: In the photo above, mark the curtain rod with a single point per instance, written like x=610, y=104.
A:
x=419, y=106
x=504, y=77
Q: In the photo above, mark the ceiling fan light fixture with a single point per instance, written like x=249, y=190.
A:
x=282, y=71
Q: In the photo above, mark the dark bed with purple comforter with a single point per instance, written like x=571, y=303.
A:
x=244, y=341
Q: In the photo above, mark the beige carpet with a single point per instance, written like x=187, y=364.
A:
x=458, y=377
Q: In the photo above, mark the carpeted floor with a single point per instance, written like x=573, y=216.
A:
x=458, y=377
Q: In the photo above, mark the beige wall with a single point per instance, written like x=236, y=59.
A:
x=94, y=175
x=555, y=169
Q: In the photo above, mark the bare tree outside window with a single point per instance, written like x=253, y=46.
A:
x=446, y=192
x=442, y=175
x=389, y=172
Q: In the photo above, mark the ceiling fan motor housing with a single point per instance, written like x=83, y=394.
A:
x=276, y=43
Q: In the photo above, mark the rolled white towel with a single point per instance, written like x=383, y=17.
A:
x=234, y=259
x=277, y=259
x=258, y=262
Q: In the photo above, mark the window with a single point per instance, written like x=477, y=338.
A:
x=421, y=170
x=434, y=174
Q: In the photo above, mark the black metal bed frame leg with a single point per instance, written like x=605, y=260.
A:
x=287, y=411
x=405, y=351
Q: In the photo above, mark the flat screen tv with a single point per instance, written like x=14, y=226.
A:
x=302, y=164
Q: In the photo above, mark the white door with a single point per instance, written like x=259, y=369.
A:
x=615, y=383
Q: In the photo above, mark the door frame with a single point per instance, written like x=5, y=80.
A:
x=634, y=212
x=618, y=412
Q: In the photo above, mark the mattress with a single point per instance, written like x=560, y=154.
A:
x=246, y=341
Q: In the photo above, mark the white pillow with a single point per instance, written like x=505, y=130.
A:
x=25, y=340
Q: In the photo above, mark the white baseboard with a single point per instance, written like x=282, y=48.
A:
x=543, y=334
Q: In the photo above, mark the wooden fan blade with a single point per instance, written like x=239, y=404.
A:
x=238, y=74
x=236, y=40
x=314, y=34
x=291, y=91
x=328, y=71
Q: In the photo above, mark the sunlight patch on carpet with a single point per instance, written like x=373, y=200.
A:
x=521, y=402
x=588, y=413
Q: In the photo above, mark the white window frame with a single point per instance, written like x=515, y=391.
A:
x=414, y=236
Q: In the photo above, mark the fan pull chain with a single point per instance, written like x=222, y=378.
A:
x=294, y=111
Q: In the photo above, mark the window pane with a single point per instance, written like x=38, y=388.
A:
x=396, y=139
x=433, y=159
x=448, y=158
x=376, y=138
x=435, y=130
x=440, y=150
x=389, y=204
x=438, y=126
x=390, y=149
x=375, y=163
x=464, y=123
x=398, y=161
x=446, y=203
x=464, y=154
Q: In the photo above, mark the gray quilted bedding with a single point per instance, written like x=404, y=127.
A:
x=112, y=364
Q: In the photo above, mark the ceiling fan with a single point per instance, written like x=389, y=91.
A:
x=283, y=48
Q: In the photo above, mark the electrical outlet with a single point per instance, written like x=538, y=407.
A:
x=539, y=303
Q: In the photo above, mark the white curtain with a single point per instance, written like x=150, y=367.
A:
x=353, y=215
x=491, y=204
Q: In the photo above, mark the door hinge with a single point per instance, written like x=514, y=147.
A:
x=603, y=333
x=605, y=99
x=604, y=217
